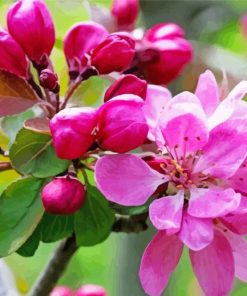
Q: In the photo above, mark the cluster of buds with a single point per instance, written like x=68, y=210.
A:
x=85, y=290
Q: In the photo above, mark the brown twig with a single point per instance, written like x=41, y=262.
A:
x=4, y=166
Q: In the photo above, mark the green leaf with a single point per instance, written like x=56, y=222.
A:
x=20, y=212
x=56, y=227
x=132, y=210
x=33, y=153
x=93, y=222
x=31, y=245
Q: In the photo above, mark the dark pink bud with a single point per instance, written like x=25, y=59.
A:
x=79, y=41
x=30, y=23
x=91, y=290
x=164, y=53
x=121, y=125
x=63, y=196
x=115, y=53
x=48, y=79
x=127, y=84
x=61, y=291
x=73, y=131
x=12, y=57
x=125, y=13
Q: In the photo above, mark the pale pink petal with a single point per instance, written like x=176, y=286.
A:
x=126, y=179
x=214, y=266
x=212, y=203
x=236, y=223
x=166, y=212
x=226, y=149
x=207, y=91
x=238, y=92
x=196, y=233
x=239, y=180
x=158, y=262
x=239, y=249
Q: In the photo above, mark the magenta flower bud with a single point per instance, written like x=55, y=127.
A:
x=121, y=124
x=127, y=84
x=73, y=131
x=48, y=79
x=12, y=57
x=125, y=13
x=91, y=290
x=30, y=23
x=79, y=41
x=115, y=53
x=63, y=196
x=61, y=291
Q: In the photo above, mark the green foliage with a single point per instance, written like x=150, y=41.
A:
x=33, y=153
x=93, y=222
x=31, y=245
x=20, y=212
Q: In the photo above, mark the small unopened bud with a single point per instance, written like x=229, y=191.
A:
x=63, y=196
x=91, y=290
x=49, y=80
x=61, y=291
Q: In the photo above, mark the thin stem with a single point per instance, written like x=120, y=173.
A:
x=70, y=91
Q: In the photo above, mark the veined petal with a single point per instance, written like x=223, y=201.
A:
x=212, y=203
x=207, y=91
x=126, y=179
x=158, y=262
x=196, y=233
x=236, y=223
x=239, y=179
x=214, y=266
x=166, y=212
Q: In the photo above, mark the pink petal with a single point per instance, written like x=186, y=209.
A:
x=196, y=233
x=236, y=223
x=239, y=179
x=166, y=212
x=207, y=91
x=239, y=249
x=158, y=262
x=212, y=203
x=214, y=266
x=238, y=92
x=226, y=149
x=126, y=179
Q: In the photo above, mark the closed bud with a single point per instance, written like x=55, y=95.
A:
x=61, y=291
x=12, y=56
x=127, y=84
x=115, y=53
x=31, y=24
x=121, y=124
x=73, y=131
x=91, y=290
x=79, y=41
x=63, y=196
x=48, y=79
x=125, y=13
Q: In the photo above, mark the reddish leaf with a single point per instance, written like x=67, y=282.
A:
x=38, y=125
x=15, y=94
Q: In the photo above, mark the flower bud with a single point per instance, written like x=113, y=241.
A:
x=91, y=290
x=125, y=13
x=79, y=41
x=121, y=124
x=12, y=57
x=49, y=80
x=115, y=53
x=61, y=291
x=30, y=23
x=63, y=196
x=127, y=84
x=73, y=131
x=163, y=53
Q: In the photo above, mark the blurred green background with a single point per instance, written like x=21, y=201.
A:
x=213, y=26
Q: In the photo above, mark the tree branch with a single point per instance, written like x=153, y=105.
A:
x=130, y=224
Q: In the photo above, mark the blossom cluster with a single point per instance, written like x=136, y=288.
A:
x=186, y=155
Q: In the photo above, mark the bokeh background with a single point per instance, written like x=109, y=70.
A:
x=213, y=27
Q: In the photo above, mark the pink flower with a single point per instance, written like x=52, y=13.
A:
x=30, y=23
x=61, y=291
x=163, y=53
x=73, y=131
x=79, y=41
x=202, y=151
x=125, y=13
x=115, y=53
x=12, y=57
x=91, y=290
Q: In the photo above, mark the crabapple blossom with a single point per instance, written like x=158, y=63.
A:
x=91, y=290
x=49, y=80
x=63, y=196
x=13, y=58
x=31, y=25
x=61, y=291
